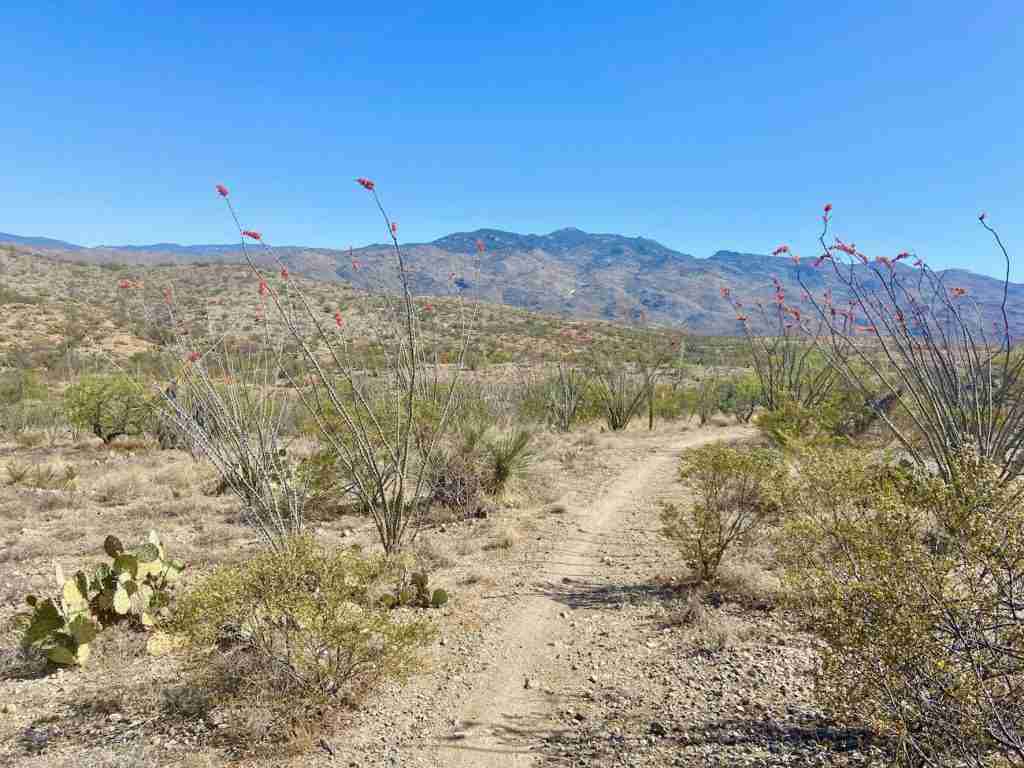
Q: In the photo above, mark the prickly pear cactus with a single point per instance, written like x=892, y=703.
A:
x=62, y=629
x=415, y=591
x=134, y=587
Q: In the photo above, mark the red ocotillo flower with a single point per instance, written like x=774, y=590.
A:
x=338, y=319
x=884, y=260
x=796, y=259
x=355, y=265
x=901, y=256
x=284, y=273
x=222, y=190
x=958, y=292
x=725, y=292
x=193, y=357
x=849, y=249
x=741, y=318
x=480, y=247
x=780, y=250
x=394, y=227
x=428, y=307
x=982, y=216
x=919, y=263
x=168, y=296
x=828, y=208
x=263, y=288
x=365, y=183
x=125, y=284
x=252, y=233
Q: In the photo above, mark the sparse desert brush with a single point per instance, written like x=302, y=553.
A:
x=297, y=629
x=503, y=538
x=925, y=641
x=119, y=487
x=736, y=496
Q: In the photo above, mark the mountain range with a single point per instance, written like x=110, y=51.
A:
x=568, y=272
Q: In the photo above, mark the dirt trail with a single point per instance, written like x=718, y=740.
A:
x=510, y=704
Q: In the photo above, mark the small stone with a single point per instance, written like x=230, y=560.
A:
x=527, y=683
x=657, y=729
x=9, y=708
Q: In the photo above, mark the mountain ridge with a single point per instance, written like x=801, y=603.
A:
x=567, y=271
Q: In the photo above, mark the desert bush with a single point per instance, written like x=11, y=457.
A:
x=841, y=417
x=299, y=625
x=565, y=395
x=458, y=484
x=736, y=495
x=703, y=399
x=20, y=384
x=619, y=393
x=739, y=396
x=109, y=406
x=915, y=584
x=509, y=456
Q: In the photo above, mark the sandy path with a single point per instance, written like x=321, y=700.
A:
x=510, y=705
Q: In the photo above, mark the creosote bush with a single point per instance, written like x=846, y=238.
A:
x=735, y=489
x=298, y=622
x=916, y=585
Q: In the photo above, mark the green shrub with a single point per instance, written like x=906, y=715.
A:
x=914, y=583
x=509, y=456
x=703, y=400
x=299, y=625
x=739, y=396
x=19, y=385
x=735, y=491
x=108, y=406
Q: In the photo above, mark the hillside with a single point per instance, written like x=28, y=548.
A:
x=568, y=272
x=52, y=306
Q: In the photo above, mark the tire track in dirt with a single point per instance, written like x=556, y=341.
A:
x=509, y=709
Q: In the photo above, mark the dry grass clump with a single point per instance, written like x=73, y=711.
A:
x=119, y=487
x=504, y=538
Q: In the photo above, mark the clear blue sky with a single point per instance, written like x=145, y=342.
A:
x=704, y=125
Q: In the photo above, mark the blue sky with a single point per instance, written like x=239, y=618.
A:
x=705, y=125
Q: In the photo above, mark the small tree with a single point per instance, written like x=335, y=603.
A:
x=704, y=399
x=740, y=396
x=108, y=406
x=735, y=490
